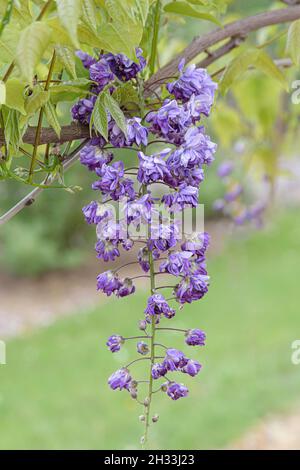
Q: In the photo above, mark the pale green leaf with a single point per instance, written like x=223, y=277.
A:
x=256, y=58
x=66, y=56
x=126, y=95
x=99, y=118
x=31, y=47
x=117, y=114
x=182, y=8
x=89, y=14
x=293, y=42
x=35, y=101
x=69, y=12
x=15, y=95
x=2, y=93
x=52, y=118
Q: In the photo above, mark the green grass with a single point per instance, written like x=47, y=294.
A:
x=53, y=391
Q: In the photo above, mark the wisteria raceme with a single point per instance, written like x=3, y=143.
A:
x=180, y=149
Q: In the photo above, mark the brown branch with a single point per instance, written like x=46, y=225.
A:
x=237, y=28
x=234, y=42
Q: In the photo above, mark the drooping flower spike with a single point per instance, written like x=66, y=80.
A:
x=163, y=251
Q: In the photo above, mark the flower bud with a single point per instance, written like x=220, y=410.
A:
x=164, y=387
x=142, y=325
x=142, y=418
x=142, y=440
x=133, y=394
x=134, y=384
x=147, y=401
x=155, y=418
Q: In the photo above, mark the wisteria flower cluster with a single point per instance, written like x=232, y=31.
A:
x=163, y=249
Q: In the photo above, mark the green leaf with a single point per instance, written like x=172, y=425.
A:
x=116, y=112
x=15, y=95
x=182, y=8
x=124, y=30
x=52, y=118
x=69, y=12
x=99, y=118
x=126, y=95
x=31, y=47
x=12, y=130
x=293, y=42
x=89, y=14
x=250, y=58
x=66, y=56
x=2, y=93
x=36, y=101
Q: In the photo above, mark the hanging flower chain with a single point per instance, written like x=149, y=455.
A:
x=179, y=167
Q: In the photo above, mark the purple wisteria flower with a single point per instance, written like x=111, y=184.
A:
x=120, y=379
x=191, y=368
x=86, y=59
x=195, y=337
x=124, y=68
x=142, y=348
x=171, y=121
x=178, y=166
x=94, y=157
x=157, y=305
x=176, y=391
x=82, y=110
x=94, y=213
x=108, y=282
x=158, y=371
x=100, y=72
x=113, y=183
x=193, y=81
x=114, y=343
x=152, y=168
x=177, y=263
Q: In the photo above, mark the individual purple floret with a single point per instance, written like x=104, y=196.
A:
x=136, y=132
x=123, y=67
x=234, y=193
x=171, y=121
x=187, y=196
x=94, y=157
x=174, y=359
x=192, y=288
x=100, y=72
x=158, y=371
x=195, y=337
x=142, y=348
x=94, y=213
x=113, y=183
x=191, y=368
x=120, y=379
x=177, y=263
x=107, y=250
x=82, y=110
x=176, y=391
x=108, y=282
x=114, y=343
x=127, y=288
x=157, y=305
x=152, y=168
x=86, y=59
x=193, y=81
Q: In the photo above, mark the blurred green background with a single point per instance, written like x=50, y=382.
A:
x=53, y=391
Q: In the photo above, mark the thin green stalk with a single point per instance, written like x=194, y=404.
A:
x=39, y=126
x=152, y=352
x=153, y=55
